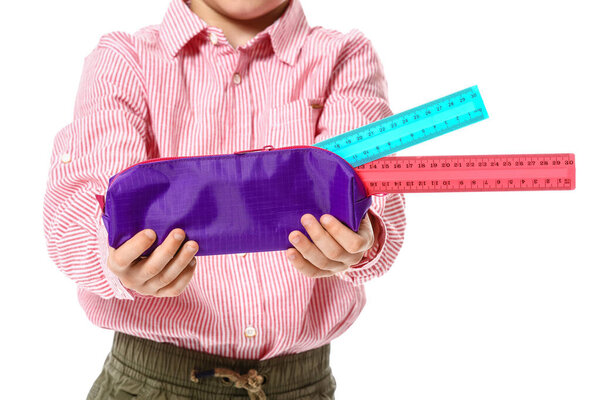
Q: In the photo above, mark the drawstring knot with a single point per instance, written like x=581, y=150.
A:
x=251, y=381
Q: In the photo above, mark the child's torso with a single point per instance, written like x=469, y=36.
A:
x=216, y=100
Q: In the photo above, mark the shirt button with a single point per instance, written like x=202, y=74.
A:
x=250, y=331
x=213, y=38
x=65, y=158
x=237, y=78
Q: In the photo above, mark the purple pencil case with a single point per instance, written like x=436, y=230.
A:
x=249, y=201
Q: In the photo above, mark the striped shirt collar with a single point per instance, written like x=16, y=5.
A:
x=287, y=33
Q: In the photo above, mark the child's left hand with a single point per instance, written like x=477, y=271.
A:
x=336, y=247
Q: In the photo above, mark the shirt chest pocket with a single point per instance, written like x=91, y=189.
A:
x=289, y=124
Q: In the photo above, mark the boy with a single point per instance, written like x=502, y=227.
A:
x=215, y=77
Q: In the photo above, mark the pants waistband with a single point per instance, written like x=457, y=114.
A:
x=175, y=365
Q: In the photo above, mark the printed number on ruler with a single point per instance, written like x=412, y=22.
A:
x=474, y=173
x=389, y=135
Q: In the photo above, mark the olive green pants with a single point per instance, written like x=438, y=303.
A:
x=142, y=369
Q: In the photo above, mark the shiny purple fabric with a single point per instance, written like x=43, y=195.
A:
x=234, y=203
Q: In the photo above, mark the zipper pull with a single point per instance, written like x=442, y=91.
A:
x=100, y=200
x=266, y=148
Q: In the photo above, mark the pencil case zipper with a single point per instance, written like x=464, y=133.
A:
x=265, y=148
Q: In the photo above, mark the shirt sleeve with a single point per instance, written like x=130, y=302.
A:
x=357, y=96
x=108, y=133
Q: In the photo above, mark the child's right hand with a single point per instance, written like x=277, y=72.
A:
x=165, y=273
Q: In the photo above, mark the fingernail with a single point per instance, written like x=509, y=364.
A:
x=149, y=233
x=178, y=235
x=326, y=219
x=295, y=239
x=292, y=256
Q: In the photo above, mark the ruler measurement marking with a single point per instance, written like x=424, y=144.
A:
x=365, y=149
x=469, y=173
x=417, y=135
x=399, y=131
x=479, y=173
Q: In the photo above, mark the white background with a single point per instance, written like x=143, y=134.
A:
x=494, y=295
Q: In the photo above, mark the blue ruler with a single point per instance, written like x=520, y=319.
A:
x=399, y=131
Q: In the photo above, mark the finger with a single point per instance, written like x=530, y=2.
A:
x=184, y=258
x=325, y=242
x=148, y=268
x=177, y=287
x=309, y=269
x=130, y=251
x=352, y=242
x=312, y=254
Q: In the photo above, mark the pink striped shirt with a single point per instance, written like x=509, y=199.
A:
x=179, y=89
